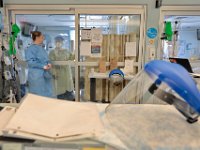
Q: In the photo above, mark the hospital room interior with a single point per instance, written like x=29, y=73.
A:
x=99, y=75
x=63, y=26
x=186, y=46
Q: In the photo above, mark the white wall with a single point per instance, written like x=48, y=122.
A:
x=153, y=14
x=192, y=45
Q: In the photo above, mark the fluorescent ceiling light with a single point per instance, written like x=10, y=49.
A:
x=64, y=34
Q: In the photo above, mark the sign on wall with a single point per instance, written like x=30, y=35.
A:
x=152, y=33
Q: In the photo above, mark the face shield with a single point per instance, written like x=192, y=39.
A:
x=166, y=83
x=159, y=82
x=116, y=77
x=59, y=40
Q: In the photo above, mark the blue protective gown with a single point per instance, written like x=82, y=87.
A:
x=40, y=81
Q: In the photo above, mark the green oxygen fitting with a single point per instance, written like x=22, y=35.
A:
x=15, y=31
x=168, y=30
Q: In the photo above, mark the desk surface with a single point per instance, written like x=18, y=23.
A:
x=106, y=76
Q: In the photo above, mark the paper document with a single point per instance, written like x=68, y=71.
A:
x=96, y=49
x=85, y=34
x=131, y=49
x=85, y=49
x=96, y=35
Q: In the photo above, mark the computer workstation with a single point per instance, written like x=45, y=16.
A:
x=186, y=64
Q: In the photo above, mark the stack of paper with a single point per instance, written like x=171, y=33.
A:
x=54, y=120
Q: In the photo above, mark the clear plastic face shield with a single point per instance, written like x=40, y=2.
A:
x=59, y=41
x=150, y=88
x=59, y=44
x=162, y=87
x=116, y=77
x=136, y=92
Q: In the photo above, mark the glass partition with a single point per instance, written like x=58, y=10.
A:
x=185, y=38
x=114, y=31
x=92, y=41
x=106, y=39
x=59, y=43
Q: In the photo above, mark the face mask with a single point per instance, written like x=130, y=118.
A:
x=59, y=44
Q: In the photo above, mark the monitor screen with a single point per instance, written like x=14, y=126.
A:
x=27, y=28
x=183, y=62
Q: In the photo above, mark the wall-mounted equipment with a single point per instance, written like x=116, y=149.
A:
x=27, y=28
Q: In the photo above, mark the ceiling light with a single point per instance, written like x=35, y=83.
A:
x=64, y=34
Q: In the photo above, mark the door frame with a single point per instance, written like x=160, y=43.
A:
x=174, y=10
x=12, y=10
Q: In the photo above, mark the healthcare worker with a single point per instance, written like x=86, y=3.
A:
x=39, y=76
x=63, y=80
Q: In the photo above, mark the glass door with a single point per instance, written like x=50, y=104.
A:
x=59, y=43
x=183, y=41
x=179, y=28
x=116, y=39
x=185, y=38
